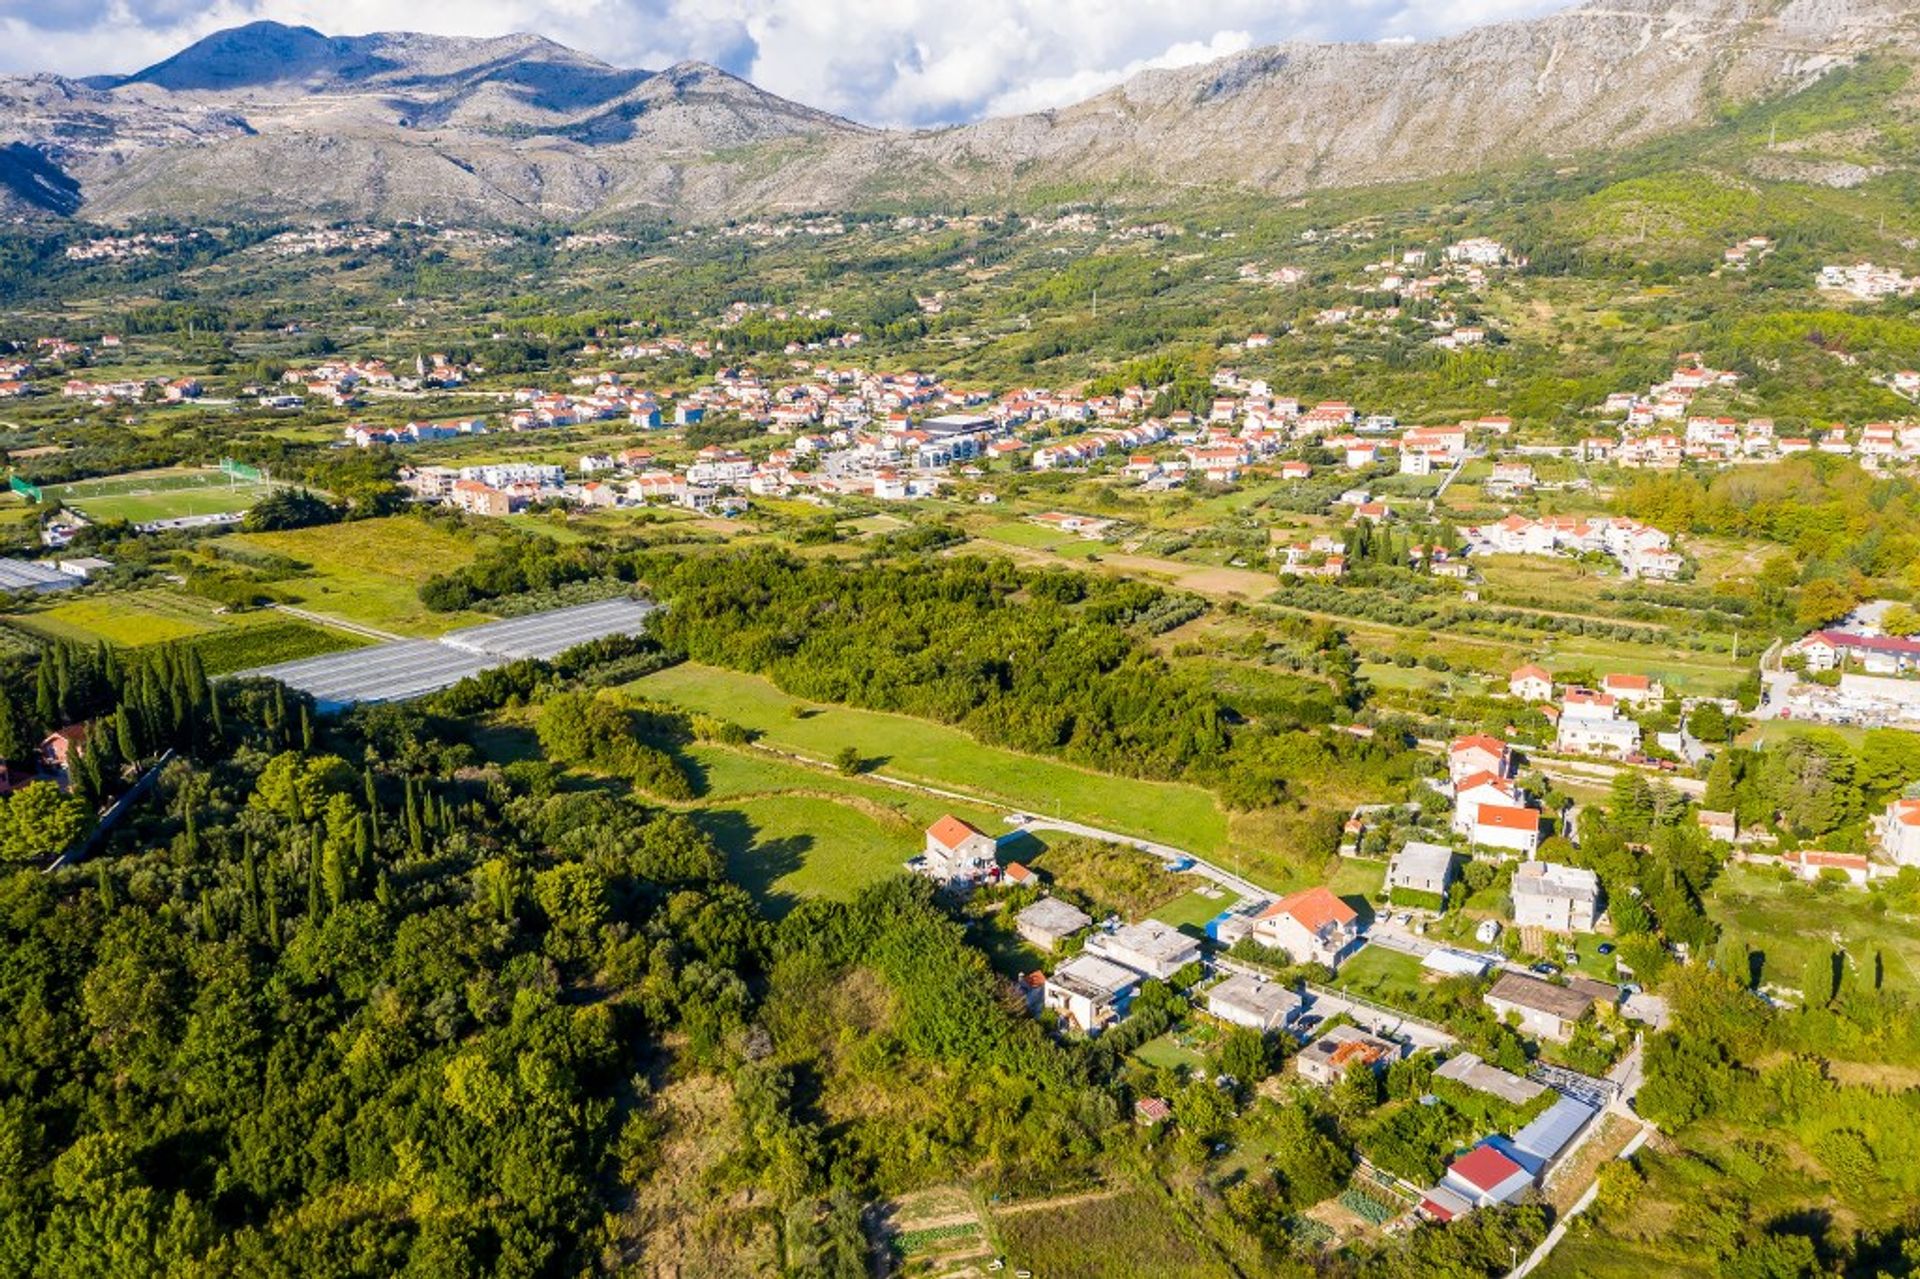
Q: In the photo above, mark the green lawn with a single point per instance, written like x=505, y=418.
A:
x=1387, y=976
x=785, y=847
x=1787, y=923
x=370, y=571
x=1193, y=910
x=1168, y=1053
x=917, y=750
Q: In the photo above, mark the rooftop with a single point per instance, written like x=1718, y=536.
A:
x=1265, y=998
x=1314, y=909
x=951, y=832
x=1051, y=915
x=1154, y=939
x=1092, y=977
x=1470, y=1071
x=1551, y=879
x=1540, y=996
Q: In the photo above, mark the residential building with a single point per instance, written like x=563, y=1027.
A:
x=1469, y=1071
x=1486, y=1178
x=1050, y=921
x=1329, y=1057
x=1478, y=753
x=1312, y=926
x=1638, y=689
x=1560, y=899
x=1530, y=683
x=1900, y=832
x=1150, y=948
x=1724, y=827
x=1250, y=1001
x=1510, y=827
x=1090, y=993
x=1422, y=868
x=59, y=748
x=1540, y=1007
x=958, y=852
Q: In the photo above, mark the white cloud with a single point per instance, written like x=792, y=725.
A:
x=897, y=62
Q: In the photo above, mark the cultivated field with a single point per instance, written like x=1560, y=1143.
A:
x=1130, y=1235
x=370, y=571
x=226, y=642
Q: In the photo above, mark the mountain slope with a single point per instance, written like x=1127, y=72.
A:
x=284, y=121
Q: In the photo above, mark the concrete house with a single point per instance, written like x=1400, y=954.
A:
x=1050, y=921
x=1327, y=1058
x=1542, y=1008
x=1150, y=948
x=1422, y=868
x=1312, y=926
x=1469, y=1071
x=1090, y=993
x=1249, y=1001
x=1899, y=829
x=1512, y=827
x=958, y=852
x=1560, y=899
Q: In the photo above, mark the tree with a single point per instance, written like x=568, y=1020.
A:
x=849, y=762
x=1824, y=600
x=1245, y=1055
x=39, y=820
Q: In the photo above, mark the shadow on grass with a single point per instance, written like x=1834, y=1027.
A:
x=754, y=864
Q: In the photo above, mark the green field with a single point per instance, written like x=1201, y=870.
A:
x=370, y=571
x=789, y=831
x=934, y=754
x=158, y=495
x=1193, y=911
x=1386, y=976
x=226, y=641
x=1038, y=537
x=1788, y=922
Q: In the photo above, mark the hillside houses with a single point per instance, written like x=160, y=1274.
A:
x=1640, y=549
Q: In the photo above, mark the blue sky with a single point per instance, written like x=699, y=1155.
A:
x=894, y=62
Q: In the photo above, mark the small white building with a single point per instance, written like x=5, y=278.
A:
x=1312, y=926
x=1050, y=921
x=1530, y=683
x=1899, y=829
x=958, y=852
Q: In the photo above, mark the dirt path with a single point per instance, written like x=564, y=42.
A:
x=1064, y=1201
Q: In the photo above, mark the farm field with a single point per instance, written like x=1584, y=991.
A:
x=370, y=571
x=226, y=641
x=937, y=755
x=1787, y=923
x=158, y=495
x=1129, y=1235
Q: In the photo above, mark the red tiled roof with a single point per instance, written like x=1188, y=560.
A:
x=1484, y=1168
x=1530, y=671
x=1492, y=745
x=1505, y=818
x=951, y=832
x=1313, y=909
x=1637, y=682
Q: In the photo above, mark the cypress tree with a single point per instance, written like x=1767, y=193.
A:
x=334, y=871
x=383, y=891
x=273, y=914
x=46, y=701
x=103, y=881
x=208, y=928
x=313, y=877
x=124, y=736
x=13, y=741
x=250, y=872
x=306, y=729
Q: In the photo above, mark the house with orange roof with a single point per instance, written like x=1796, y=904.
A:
x=957, y=852
x=1478, y=753
x=1327, y=1059
x=1313, y=926
x=1638, y=689
x=1900, y=832
x=1530, y=683
x=1810, y=865
x=1513, y=827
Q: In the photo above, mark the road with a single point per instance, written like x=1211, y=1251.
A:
x=338, y=623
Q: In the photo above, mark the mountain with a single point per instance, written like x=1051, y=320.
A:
x=277, y=121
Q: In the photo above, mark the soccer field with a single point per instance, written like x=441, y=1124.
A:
x=158, y=495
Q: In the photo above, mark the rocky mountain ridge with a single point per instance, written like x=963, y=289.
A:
x=285, y=122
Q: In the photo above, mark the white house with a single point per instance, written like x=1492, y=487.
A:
x=958, y=852
x=1150, y=948
x=1560, y=899
x=1530, y=683
x=1900, y=832
x=1312, y=926
x=1478, y=753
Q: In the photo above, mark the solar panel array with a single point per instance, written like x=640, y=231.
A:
x=413, y=668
